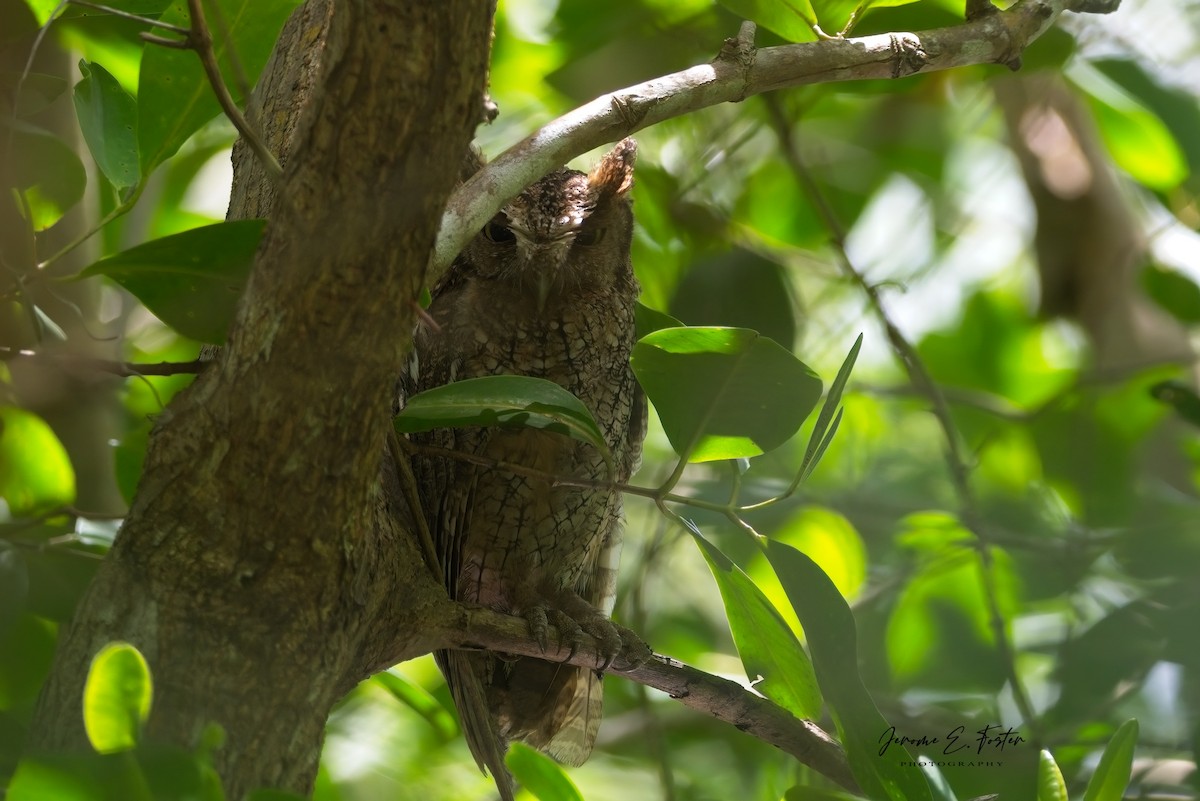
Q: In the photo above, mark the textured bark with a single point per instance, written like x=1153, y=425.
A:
x=260, y=570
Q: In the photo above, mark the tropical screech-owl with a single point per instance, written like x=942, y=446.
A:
x=546, y=289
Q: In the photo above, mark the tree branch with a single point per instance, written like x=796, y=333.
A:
x=480, y=628
x=738, y=72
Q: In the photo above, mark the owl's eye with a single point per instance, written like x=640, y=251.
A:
x=589, y=236
x=499, y=233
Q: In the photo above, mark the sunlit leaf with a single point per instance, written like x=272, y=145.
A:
x=108, y=118
x=502, y=400
x=940, y=630
x=1050, y=784
x=792, y=19
x=116, y=698
x=1111, y=778
x=192, y=280
x=419, y=700
x=35, y=471
x=540, y=775
x=1139, y=142
x=724, y=393
x=46, y=170
x=833, y=641
x=174, y=96
x=766, y=644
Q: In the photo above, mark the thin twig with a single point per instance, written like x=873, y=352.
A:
x=116, y=12
x=923, y=382
x=202, y=41
x=123, y=369
x=408, y=483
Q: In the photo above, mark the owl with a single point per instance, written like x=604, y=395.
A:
x=547, y=290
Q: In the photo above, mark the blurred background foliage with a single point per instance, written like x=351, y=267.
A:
x=1032, y=234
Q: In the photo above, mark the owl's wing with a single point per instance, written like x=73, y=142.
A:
x=573, y=743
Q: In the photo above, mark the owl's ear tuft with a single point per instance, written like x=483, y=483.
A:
x=614, y=174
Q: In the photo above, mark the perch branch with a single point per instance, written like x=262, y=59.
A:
x=727, y=701
x=738, y=72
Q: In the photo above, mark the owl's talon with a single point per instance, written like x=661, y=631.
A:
x=539, y=626
x=570, y=633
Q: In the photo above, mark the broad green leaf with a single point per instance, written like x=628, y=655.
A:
x=418, y=699
x=766, y=644
x=191, y=281
x=648, y=320
x=502, y=400
x=833, y=640
x=1179, y=396
x=1111, y=778
x=1139, y=142
x=35, y=470
x=540, y=775
x=78, y=777
x=174, y=96
x=1050, y=784
x=108, y=118
x=1174, y=292
x=116, y=698
x=804, y=792
x=794, y=20
x=26, y=651
x=38, y=90
x=724, y=393
x=46, y=170
x=738, y=288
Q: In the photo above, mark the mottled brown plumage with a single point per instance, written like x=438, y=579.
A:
x=545, y=290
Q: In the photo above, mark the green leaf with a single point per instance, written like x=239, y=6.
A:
x=540, y=775
x=1050, y=784
x=765, y=642
x=419, y=700
x=38, y=90
x=738, y=288
x=804, y=792
x=116, y=698
x=833, y=640
x=79, y=777
x=1174, y=292
x=46, y=170
x=724, y=393
x=1111, y=778
x=108, y=118
x=794, y=20
x=35, y=470
x=648, y=320
x=174, y=96
x=823, y=429
x=1138, y=140
x=1180, y=397
x=502, y=400
x=191, y=281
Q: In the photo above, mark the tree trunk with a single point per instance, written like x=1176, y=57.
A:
x=263, y=570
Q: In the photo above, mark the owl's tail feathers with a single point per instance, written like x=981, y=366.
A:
x=463, y=673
